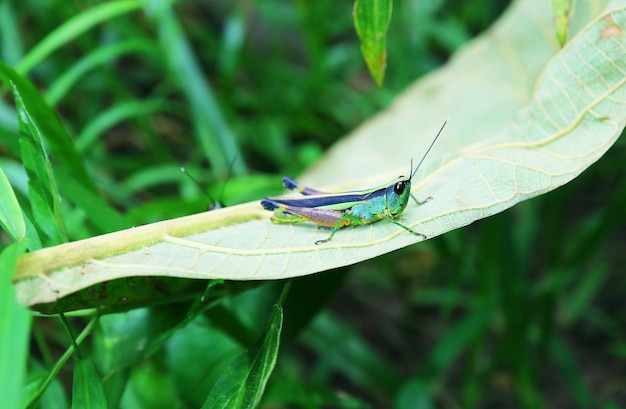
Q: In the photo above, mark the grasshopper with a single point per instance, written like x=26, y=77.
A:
x=353, y=208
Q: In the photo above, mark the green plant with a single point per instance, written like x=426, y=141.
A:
x=516, y=309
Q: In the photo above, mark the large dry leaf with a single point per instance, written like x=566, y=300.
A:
x=525, y=118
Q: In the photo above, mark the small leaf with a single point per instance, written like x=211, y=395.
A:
x=42, y=188
x=45, y=124
x=11, y=218
x=92, y=61
x=371, y=20
x=74, y=27
x=579, y=299
x=87, y=389
x=561, y=9
x=119, y=113
x=243, y=383
x=351, y=355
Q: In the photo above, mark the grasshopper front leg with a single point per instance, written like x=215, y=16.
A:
x=410, y=230
x=417, y=202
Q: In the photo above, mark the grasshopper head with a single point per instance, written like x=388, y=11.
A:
x=397, y=195
x=398, y=192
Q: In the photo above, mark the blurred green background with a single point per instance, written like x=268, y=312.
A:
x=523, y=309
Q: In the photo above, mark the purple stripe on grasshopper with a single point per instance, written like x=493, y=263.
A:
x=322, y=217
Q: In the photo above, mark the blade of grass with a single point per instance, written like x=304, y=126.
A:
x=42, y=188
x=111, y=117
x=35, y=390
x=153, y=176
x=16, y=174
x=452, y=344
x=93, y=60
x=243, y=383
x=572, y=374
x=36, y=123
x=9, y=35
x=214, y=134
x=595, y=230
x=579, y=299
x=15, y=323
x=41, y=124
x=87, y=390
x=345, y=351
x=11, y=218
x=45, y=123
x=74, y=27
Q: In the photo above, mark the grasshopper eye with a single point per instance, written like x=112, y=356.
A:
x=399, y=187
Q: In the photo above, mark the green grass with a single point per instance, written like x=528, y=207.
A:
x=523, y=309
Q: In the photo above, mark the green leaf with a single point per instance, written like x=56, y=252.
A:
x=34, y=391
x=371, y=20
x=14, y=331
x=92, y=61
x=87, y=390
x=579, y=299
x=561, y=10
x=112, y=117
x=125, y=339
x=42, y=188
x=214, y=133
x=438, y=360
x=452, y=344
x=525, y=120
x=105, y=217
x=243, y=383
x=11, y=218
x=351, y=356
x=195, y=374
x=566, y=362
x=11, y=40
x=151, y=386
x=44, y=124
x=73, y=28
x=42, y=129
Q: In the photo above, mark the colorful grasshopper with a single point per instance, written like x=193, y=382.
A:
x=355, y=208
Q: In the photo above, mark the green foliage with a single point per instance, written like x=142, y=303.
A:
x=562, y=10
x=522, y=309
x=242, y=384
x=14, y=325
x=87, y=390
x=371, y=20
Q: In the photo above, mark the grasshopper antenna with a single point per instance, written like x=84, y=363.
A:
x=414, y=171
x=218, y=204
x=214, y=203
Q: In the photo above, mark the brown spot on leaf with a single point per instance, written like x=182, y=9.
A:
x=611, y=30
